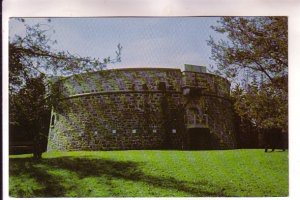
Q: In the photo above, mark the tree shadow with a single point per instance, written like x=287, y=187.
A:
x=84, y=167
x=49, y=186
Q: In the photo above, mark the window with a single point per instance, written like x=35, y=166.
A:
x=193, y=115
x=162, y=86
x=171, y=87
x=144, y=86
x=53, y=120
x=133, y=87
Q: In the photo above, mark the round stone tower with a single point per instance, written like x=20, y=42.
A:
x=142, y=108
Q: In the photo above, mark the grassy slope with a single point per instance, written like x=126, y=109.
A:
x=150, y=173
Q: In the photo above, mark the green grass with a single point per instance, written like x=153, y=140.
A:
x=150, y=174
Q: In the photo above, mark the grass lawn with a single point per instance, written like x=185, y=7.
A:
x=146, y=173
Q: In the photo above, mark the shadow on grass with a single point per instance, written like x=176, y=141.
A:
x=54, y=186
x=49, y=186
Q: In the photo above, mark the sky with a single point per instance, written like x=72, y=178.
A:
x=147, y=42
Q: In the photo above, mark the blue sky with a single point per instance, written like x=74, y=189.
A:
x=147, y=42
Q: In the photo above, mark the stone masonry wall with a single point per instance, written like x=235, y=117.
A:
x=122, y=109
x=138, y=109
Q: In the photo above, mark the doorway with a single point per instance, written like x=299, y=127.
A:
x=199, y=139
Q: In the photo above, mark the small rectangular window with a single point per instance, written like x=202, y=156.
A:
x=162, y=86
x=53, y=120
x=144, y=86
x=133, y=87
x=171, y=87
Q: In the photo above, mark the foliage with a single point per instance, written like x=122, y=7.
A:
x=29, y=111
x=150, y=174
x=258, y=44
x=34, y=64
x=34, y=54
x=256, y=48
x=29, y=101
x=264, y=108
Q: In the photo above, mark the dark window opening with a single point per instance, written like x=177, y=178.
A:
x=53, y=120
x=171, y=87
x=144, y=86
x=162, y=86
x=133, y=87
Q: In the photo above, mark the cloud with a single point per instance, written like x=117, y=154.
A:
x=147, y=42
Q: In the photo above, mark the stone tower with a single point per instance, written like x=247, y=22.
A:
x=143, y=108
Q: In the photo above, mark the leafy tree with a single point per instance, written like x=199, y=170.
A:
x=33, y=54
x=31, y=113
x=255, y=56
x=264, y=108
x=33, y=66
x=254, y=44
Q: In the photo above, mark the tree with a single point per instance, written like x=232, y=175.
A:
x=31, y=113
x=33, y=64
x=34, y=54
x=257, y=44
x=255, y=48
